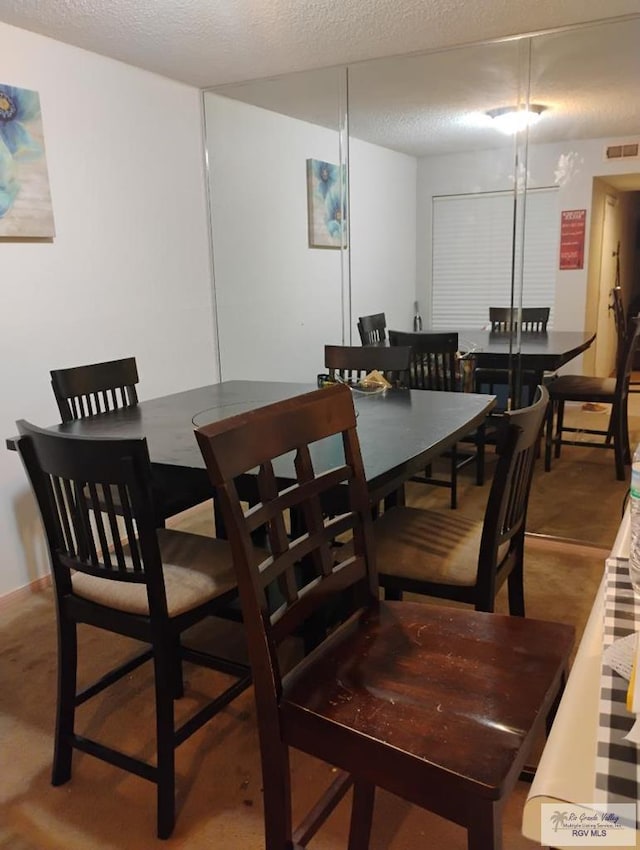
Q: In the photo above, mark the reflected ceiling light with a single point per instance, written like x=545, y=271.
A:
x=511, y=119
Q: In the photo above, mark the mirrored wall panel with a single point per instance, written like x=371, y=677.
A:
x=278, y=184
x=446, y=179
x=495, y=175
x=584, y=156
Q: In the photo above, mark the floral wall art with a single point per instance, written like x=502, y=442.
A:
x=326, y=200
x=25, y=199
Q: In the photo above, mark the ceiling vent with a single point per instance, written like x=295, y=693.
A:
x=627, y=150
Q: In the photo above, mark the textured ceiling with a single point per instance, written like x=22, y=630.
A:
x=210, y=42
x=587, y=79
x=417, y=103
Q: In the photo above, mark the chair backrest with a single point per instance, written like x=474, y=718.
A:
x=96, y=388
x=95, y=499
x=506, y=511
x=352, y=362
x=533, y=319
x=372, y=329
x=251, y=441
x=617, y=306
x=624, y=366
x=434, y=359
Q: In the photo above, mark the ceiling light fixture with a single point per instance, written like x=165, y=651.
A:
x=513, y=119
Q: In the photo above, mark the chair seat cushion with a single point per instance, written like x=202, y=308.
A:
x=196, y=570
x=434, y=546
x=424, y=545
x=582, y=388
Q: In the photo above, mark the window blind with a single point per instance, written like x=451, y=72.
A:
x=472, y=246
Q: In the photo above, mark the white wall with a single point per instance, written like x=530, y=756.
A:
x=280, y=301
x=128, y=272
x=383, y=230
x=570, y=165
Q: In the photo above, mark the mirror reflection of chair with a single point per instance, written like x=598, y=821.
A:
x=621, y=325
x=596, y=390
x=435, y=366
x=372, y=329
x=373, y=698
x=96, y=388
x=530, y=319
x=350, y=363
x=114, y=571
x=450, y=556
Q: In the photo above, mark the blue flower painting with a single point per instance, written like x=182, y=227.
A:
x=326, y=198
x=25, y=199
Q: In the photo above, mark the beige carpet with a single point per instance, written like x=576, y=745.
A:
x=219, y=784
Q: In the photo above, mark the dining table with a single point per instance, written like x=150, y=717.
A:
x=401, y=431
x=539, y=351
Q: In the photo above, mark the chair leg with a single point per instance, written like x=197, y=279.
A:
x=65, y=715
x=559, y=426
x=624, y=427
x=164, y=670
x=276, y=781
x=515, y=588
x=454, y=478
x=361, y=816
x=176, y=667
x=480, y=444
x=618, y=446
x=548, y=441
x=486, y=832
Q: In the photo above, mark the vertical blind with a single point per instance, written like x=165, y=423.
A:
x=472, y=255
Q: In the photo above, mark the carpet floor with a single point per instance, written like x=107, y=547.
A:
x=218, y=769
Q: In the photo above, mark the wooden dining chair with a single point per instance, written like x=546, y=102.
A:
x=437, y=705
x=590, y=388
x=372, y=329
x=112, y=569
x=622, y=328
x=351, y=363
x=435, y=366
x=450, y=556
x=97, y=388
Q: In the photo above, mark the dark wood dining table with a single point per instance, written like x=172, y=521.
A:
x=537, y=352
x=400, y=431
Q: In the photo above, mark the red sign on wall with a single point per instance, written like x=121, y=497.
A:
x=572, y=230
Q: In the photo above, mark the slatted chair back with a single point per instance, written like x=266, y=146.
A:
x=620, y=322
x=618, y=313
x=350, y=363
x=532, y=319
x=249, y=441
x=96, y=505
x=96, y=388
x=502, y=542
x=625, y=367
x=434, y=359
x=372, y=329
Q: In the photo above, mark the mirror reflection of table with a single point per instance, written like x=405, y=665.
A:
x=538, y=352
